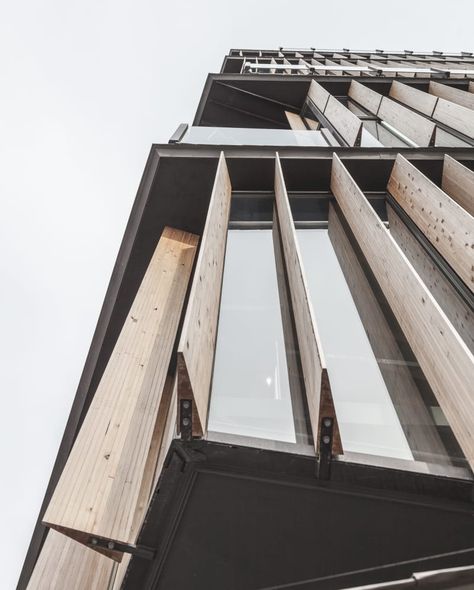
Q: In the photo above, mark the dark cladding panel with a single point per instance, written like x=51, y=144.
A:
x=239, y=518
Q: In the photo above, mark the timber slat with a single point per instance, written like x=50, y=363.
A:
x=198, y=338
x=101, y=487
x=316, y=379
x=445, y=359
x=443, y=221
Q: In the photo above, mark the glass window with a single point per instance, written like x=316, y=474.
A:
x=445, y=139
x=382, y=134
x=243, y=136
x=367, y=418
x=251, y=384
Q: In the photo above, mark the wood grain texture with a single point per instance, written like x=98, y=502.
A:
x=458, y=182
x=446, y=361
x=198, y=337
x=471, y=86
x=445, y=223
x=457, y=310
x=414, y=126
x=414, y=416
x=455, y=116
x=295, y=121
x=318, y=95
x=65, y=564
x=420, y=101
x=100, y=488
x=366, y=97
x=348, y=125
x=461, y=97
x=316, y=379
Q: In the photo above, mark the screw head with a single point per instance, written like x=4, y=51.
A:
x=110, y=544
x=186, y=421
x=327, y=422
x=186, y=405
x=326, y=439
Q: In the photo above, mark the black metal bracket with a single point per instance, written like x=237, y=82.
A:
x=135, y=550
x=186, y=419
x=325, y=447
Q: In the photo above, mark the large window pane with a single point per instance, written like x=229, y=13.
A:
x=251, y=391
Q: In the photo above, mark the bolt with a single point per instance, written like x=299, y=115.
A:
x=186, y=421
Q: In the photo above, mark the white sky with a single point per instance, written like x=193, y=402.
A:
x=85, y=89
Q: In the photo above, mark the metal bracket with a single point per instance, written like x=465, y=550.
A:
x=186, y=419
x=325, y=447
x=135, y=550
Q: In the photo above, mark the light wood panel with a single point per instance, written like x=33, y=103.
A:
x=348, y=125
x=445, y=223
x=316, y=379
x=295, y=121
x=65, y=564
x=457, y=310
x=471, y=86
x=420, y=101
x=318, y=95
x=100, y=487
x=312, y=124
x=458, y=182
x=414, y=416
x=455, y=116
x=461, y=97
x=416, y=127
x=446, y=361
x=198, y=338
x=366, y=97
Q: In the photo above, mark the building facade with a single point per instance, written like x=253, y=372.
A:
x=280, y=388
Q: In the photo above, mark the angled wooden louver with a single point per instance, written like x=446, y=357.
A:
x=447, y=111
x=295, y=121
x=348, y=125
x=445, y=359
x=315, y=374
x=420, y=101
x=458, y=311
x=415, y=418
x=198, y=338
x=415, y=127
x=461, y=97
x=445, y=223
x=458, y=182
x=104, y=486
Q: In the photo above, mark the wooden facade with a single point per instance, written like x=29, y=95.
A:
x=383, y=161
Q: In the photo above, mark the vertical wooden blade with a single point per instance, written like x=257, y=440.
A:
x=100, y=488
x=198, y=338
x=443, y=356
x=445, y=223
x=318, y=390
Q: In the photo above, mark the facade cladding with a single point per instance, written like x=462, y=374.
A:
x=279, y=391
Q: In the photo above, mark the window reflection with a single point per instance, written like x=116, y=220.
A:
x=251, y=388
x=383, y=401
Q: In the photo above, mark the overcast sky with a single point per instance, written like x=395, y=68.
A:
x=86, y=88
